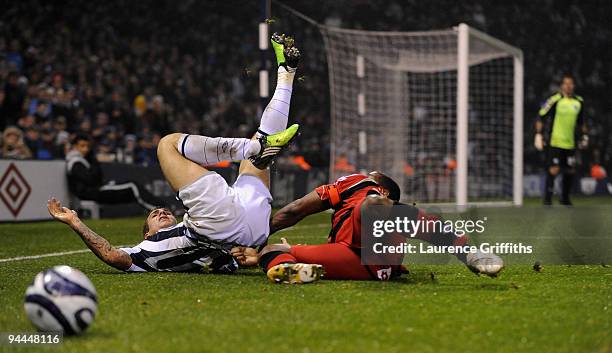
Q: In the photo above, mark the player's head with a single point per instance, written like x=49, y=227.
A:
x=157, y=219
x=388, y=184
x=82, y=144
x=567, y=84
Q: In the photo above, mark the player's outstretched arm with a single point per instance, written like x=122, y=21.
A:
x=98, y=245
x=296, y=211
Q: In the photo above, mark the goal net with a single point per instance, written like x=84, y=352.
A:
x=438, y=111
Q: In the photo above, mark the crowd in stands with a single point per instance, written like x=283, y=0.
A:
x=128, y=72
x=128, y=77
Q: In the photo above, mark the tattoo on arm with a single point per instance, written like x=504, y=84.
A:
x=102, y=248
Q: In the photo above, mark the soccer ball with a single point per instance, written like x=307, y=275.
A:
x=484, y=263
x=61, y=299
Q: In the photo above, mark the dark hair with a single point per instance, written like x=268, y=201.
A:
x=567, y=75
x=145, y=226
x=389, y=184
x=80, y=137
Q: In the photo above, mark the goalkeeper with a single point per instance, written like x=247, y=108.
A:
x=558, y=119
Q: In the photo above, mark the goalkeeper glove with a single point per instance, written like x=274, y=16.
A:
x=584, y=142
x=539, y=142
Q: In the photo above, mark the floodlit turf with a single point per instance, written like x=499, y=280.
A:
x=561, y=309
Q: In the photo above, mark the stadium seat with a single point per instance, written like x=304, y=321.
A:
x=85, y=208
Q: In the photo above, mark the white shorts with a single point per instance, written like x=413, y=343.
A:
x=239, y=214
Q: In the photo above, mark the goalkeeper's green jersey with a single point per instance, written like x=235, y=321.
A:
x=564, y=113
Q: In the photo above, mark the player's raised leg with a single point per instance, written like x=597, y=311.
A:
x=276, y=115
x=178, y=170
x=181, y=156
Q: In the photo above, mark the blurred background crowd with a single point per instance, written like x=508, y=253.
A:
x=128, y=72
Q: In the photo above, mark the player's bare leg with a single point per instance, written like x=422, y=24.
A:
x=178, y=170
x=247, y=168
x=181, y=156
x=275, y=116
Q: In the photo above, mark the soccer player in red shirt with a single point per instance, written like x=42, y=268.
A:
x=340, y=257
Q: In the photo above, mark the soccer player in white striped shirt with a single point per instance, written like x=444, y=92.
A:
x=218, y=216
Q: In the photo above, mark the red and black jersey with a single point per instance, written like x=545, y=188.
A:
x=345, y=197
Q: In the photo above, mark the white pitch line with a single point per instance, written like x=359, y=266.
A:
x=53, y=254
x=32, y=257
x=82, y=251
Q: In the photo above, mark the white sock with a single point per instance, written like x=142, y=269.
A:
x=275, y=116
x=206, y=150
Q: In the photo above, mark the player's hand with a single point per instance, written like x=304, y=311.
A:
x=584, y=142
x=245, y=256
x=539, y=142
x=62, y=214
x=285, y=242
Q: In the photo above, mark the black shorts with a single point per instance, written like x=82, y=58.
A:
x=560, y=157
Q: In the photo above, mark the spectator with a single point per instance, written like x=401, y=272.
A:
x=14, y=96
x=32, y=139
x=13, y=145
x=14, y=56
x=62, y=134
x=85, y=179
x=129, y=151
x=85, y=126
x=101, y=126
x=105, y=151
x=159, y=117
x=147, y=154
x=47, y=148
x=26, y=122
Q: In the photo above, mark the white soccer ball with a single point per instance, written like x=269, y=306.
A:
x=61, y=299
x=485, y=263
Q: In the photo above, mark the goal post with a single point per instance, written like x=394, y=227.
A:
x=463, y=89
x=464, y=32
x=439, y=111
x=517, y=192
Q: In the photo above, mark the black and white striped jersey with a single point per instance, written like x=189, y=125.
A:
x=174, y=249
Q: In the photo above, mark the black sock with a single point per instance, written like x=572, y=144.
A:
x=265, y=259
x=566, y=187
x=548, y=189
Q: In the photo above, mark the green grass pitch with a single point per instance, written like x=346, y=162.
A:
x=561, y=309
